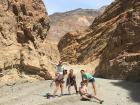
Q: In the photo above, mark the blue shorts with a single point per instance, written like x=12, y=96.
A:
x=92, y=80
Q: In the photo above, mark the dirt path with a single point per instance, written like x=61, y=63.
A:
x=114, y=92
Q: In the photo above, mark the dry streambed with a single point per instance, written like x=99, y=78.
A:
x=114, y=92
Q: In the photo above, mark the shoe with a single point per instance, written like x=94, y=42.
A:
x=48, y=95
x=101, y=102
x=61, y=95
x=53, y=96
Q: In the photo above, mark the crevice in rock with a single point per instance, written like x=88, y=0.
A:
x=23, y=9
x=15, y=9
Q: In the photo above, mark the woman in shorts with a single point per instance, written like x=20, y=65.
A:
x=71, y=81
x=59, y=82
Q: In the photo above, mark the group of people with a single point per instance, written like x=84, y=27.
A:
x=71, y=81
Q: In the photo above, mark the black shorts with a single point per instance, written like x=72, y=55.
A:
x=92, y=80
x=89, y=95
x=72, y=83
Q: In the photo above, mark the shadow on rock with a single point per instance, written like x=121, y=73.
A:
x=30, y=70
x=42, y=72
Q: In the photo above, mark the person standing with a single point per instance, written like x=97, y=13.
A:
x=71, y=81
x=89, y=78
x=59, y=82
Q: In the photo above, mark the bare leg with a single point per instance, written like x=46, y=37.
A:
x=69, y=89
x=85, y=97
x=94, y=88
x=56, y=88
x=89, y=97
x=101, y=101
x=61, y=86
x=96, y=98
x=75, y=86
x=95, y=92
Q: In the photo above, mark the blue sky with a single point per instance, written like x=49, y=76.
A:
x=67, y=5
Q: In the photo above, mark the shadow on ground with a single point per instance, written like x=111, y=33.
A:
x=132, y=87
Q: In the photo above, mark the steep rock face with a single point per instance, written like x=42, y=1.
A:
x=61, y=23
x=24, y=25
x=84, y=46
x=121, y=57
x=114, y=37
x=78, y=19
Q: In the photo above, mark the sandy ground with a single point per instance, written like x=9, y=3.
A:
x=113, y=92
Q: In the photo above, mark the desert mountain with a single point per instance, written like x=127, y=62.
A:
x=78, y=19
x=24, y=25
x=113, y=37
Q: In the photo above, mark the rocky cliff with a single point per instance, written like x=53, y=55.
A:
x=113, y=37
x=24, y=25
x=78, y=19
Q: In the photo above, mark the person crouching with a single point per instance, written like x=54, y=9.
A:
x=71, y=81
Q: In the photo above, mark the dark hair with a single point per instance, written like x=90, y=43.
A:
x=64, y=72
x=82, y=70
x=82, y=83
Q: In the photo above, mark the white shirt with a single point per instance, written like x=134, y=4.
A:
x=60, y=68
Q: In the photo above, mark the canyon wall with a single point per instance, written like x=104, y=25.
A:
x=113, y=38
x=24, y=25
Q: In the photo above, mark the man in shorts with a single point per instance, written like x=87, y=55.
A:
x=88, y=78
